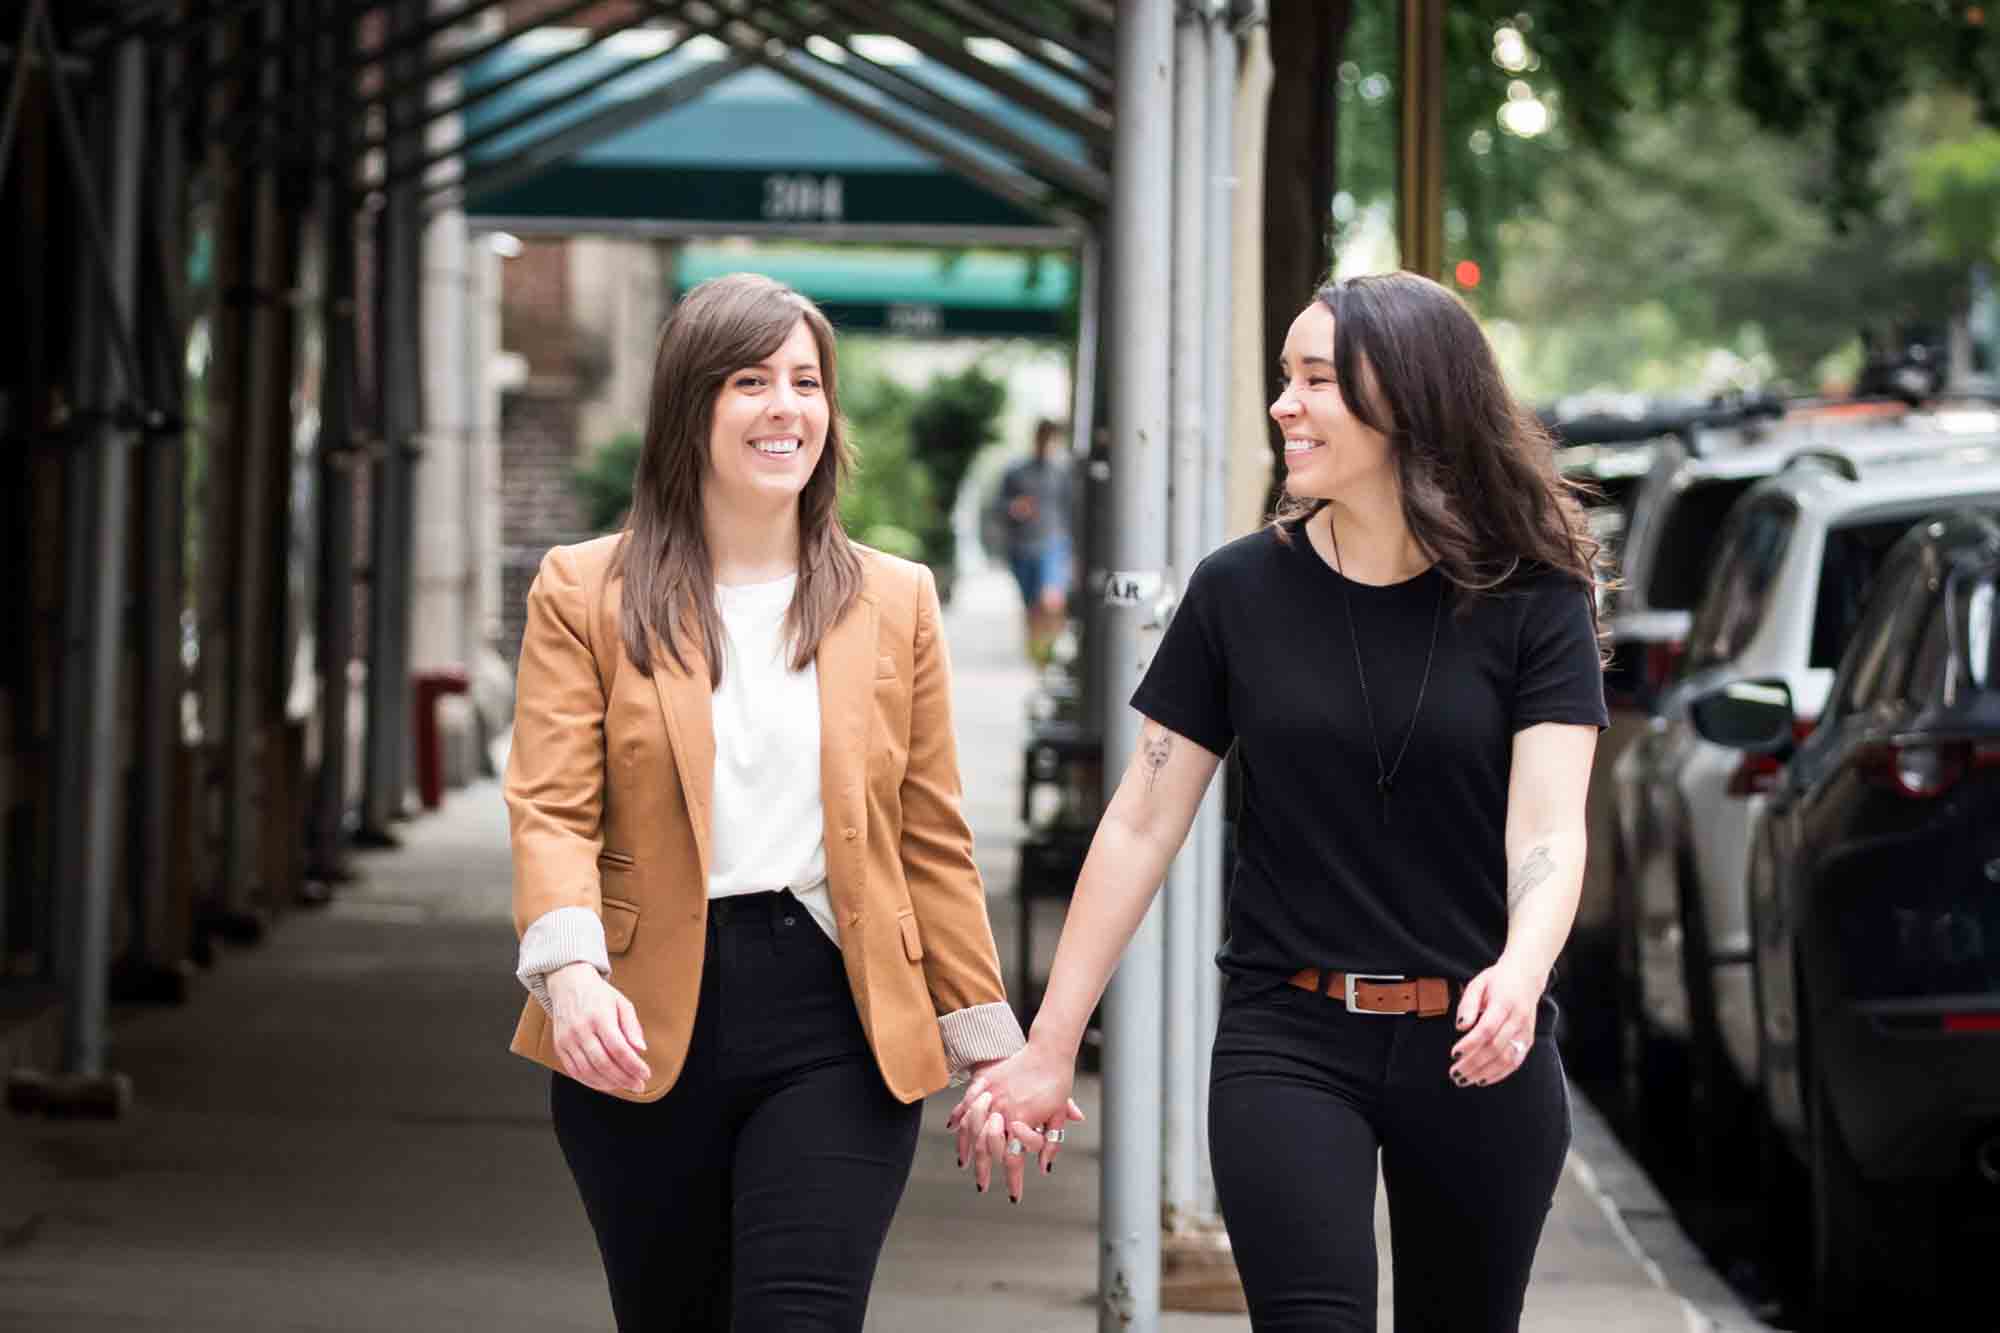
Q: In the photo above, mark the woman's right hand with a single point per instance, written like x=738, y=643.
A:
x=597, y=1031
x=1018, y=1097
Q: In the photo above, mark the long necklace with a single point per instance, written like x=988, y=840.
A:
x=1385, y=776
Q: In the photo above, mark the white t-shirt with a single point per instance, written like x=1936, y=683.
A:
x=768, y=829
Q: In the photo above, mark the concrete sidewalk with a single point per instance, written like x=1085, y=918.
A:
x=331, y=1135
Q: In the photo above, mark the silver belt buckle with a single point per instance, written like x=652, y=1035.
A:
x=1354, y=977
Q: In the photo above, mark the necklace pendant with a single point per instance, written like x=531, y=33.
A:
x=1382, y=788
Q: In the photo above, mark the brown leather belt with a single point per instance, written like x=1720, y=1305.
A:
x=1376, y=993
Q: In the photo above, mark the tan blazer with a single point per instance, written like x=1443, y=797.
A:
x=608, y=795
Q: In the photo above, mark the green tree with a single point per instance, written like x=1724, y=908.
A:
x=951, y=421
x=603, y=481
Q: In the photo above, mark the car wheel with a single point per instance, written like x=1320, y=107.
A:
x=1873, y=1250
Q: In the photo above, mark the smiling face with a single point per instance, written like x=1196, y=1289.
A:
x=1329, y=452
x=768, y=428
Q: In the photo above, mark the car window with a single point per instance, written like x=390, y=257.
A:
x=1686, y=547
x=1739, y=585
x=1853, y=554
x=1871, y=670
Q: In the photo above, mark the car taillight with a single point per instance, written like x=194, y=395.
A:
x=1927, y=770
x=1661, y=659
x=1758, y=773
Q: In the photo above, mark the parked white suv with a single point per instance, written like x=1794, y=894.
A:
x=1793, y=562
x=1692, y=471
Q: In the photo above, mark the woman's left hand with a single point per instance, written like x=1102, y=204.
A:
x=1499, y=1008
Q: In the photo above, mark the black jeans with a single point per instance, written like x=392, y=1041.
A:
x=756, y=1194
x=1303, y=1096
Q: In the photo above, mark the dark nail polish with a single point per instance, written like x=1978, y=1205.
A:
x=961, y=1164
x=1013, y=1198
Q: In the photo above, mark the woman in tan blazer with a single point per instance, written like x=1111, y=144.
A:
x=750, y=921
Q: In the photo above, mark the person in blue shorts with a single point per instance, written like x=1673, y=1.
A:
x=1034, y=499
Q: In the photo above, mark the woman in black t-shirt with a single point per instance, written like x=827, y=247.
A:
x=1406, y=660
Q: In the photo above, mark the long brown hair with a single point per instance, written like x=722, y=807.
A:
x=721, y=326
x=1481, y=492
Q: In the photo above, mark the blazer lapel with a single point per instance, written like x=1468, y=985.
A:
x=846, y=667
x=687, y=703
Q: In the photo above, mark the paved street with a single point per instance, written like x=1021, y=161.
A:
x=331, y=1135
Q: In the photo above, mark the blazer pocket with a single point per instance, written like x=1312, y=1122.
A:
x=913, y=942
x=621, y=923
x=885, y=668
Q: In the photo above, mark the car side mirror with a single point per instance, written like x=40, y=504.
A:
x=1750, y=715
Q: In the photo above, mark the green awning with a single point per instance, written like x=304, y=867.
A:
x=754, y=152
x=914, y=292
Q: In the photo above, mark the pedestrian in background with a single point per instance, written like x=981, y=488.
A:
x=1034, y=503
x=750, y=922
x=1407, y=660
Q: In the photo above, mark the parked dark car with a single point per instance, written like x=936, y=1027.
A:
x=1874, y=888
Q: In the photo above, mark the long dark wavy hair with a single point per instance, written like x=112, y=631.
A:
x=720, y=327
x=1479, y=484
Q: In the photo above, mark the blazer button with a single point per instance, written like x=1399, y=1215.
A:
x=848, y=834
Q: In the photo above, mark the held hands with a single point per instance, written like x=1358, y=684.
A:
x=1499, y=1008
x=597, y=1031
x=1017, y=1098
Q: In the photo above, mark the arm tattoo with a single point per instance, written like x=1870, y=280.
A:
x=1535, y=867
x=1154, y=755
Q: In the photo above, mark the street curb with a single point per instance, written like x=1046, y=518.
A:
x=1645, y=1225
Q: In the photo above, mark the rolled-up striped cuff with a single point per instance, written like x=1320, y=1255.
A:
x=983, y=1032
x=555, y=940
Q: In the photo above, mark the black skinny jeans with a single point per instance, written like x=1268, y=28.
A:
x=1303, y=1096
x=755, y=1195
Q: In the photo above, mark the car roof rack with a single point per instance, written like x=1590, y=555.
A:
x=1832, y=459
x=1682, y=419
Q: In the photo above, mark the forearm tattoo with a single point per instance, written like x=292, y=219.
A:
x=1535, y=867
x=1154, y=755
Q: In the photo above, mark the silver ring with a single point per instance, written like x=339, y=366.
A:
x=1016, y=1148
x=1052, y=1136
x=1520, y=1047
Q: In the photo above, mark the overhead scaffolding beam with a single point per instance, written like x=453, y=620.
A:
x=245, y=63
x=574, y=138
x=527, y=115
x=1090, y=122
x=1080, y=178
x=338, y=77
x=1028, y=24
x=1024, y=192
x=989, y=23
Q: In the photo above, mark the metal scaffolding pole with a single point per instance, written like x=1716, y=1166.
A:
x=1222, y=56
x=155, y=950
x=338, y=453
x=390, y=498
x=88, y=1004
x=245, y=789
x=1185, y=547
x=1142, y=175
